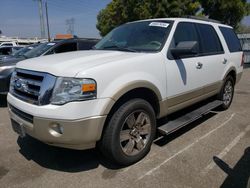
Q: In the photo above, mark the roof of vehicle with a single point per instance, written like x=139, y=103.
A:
x=188, y=19
x=11, y=42
x=62, y=41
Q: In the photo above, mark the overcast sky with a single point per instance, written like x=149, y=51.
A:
x=21, y=17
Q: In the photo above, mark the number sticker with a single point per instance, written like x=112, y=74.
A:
x=51, y=44
x=159, y=24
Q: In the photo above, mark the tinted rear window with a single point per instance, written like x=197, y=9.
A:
x=210, y=42
x=231, y=39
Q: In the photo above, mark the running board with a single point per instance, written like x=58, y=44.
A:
x=188, y=118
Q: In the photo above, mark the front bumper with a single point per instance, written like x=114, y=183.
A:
x=76, y=125
x=74, y=134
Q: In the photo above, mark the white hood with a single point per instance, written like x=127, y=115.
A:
x=69, y=64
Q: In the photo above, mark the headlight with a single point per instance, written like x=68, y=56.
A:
x=6, y=67
x=73, y=89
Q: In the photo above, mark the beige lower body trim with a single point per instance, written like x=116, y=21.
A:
x=76, y=134
x=178, y=102
x=238, y=77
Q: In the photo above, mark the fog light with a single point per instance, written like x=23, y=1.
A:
x=56, y=129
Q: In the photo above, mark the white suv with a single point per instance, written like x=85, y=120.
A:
x=12, y=43
x=112, y=95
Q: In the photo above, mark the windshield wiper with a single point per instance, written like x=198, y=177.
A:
x=119, y=48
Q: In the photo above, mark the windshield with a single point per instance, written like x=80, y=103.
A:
x=146, y=36
x=22, y=51
x=39, y=50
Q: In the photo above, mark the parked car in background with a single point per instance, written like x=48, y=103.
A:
x=11, y=43
x=48, y=48
x=18, y=53
x=8, y=50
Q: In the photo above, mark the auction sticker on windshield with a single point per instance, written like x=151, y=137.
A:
x=159, y=24
x=51, y=44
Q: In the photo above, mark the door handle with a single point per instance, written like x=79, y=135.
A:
x=199, y=65
x=224, y=61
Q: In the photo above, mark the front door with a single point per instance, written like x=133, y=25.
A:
x=185, y=79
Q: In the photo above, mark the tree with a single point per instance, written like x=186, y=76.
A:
x=229, y=12
x=121, y=11
x=243, y=28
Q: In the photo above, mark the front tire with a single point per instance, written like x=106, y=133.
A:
x=130, y=132
x=227, y=93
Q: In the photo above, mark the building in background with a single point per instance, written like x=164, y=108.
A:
x=245, y=42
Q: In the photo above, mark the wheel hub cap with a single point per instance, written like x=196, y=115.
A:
x=135, y=133
x=228, y=93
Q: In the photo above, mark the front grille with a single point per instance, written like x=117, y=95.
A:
x=32, y=87
x=21, y=114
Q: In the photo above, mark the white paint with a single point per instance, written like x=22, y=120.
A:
x=69, y=111
x=224, y=152
x=150, y=172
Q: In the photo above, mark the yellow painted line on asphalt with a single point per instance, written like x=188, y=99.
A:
x=150, y=172
x=224, y=152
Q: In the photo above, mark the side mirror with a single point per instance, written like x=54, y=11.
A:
x=185, y=48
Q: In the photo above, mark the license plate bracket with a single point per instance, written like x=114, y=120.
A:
x=18, y=128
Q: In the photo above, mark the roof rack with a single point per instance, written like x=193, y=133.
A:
x=202, y=19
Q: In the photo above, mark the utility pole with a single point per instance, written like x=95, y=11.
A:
x=40, y=4
x=47, y=19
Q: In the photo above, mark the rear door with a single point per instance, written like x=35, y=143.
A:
x=212, y=56
x=234, y=54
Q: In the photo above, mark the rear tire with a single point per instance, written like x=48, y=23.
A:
x=227, y=93
x=130, y=132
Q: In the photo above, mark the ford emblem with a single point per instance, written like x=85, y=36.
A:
x=18, y=84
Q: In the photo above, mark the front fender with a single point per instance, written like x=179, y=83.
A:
x=123, y=84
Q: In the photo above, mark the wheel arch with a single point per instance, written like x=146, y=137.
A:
x=231, y=71
x=142, y=90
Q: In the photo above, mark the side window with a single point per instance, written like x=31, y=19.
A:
x=210, y=42
x=185, y=32
x=68, y=47
x=231, y=39
x=8, y=44
x=5, y=51
x=1, y=51
x=86, y=45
